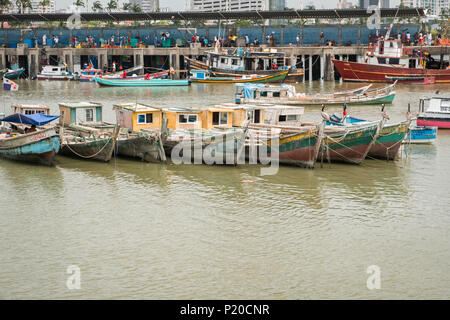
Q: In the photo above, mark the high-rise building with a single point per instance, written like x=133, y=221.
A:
x=35, y=7
x=434, y=6
x=344, y=4
x=364, y=4
x=147, y=5
x=237, y=5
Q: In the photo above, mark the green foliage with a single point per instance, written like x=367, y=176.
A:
x=243, y=23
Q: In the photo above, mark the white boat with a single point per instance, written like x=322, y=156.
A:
x=55, y=73
x=437, y=113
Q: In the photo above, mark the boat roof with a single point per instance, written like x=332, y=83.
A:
x=136, y=107
x=180, y=110
x=265, y=87
x=216, y=109
x=235, y=106
x=37, y=119
x=30, y=106
x=80, y=104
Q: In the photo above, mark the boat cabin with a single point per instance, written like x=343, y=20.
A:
x=80, y=112
x=137, y=116
x=242, y=112
x=255, y=91
x=2, y=124
x=30, y=109
x=283, y=115
x=182, y=118
x=54, y=70
x=215, y=117
x=436, y=105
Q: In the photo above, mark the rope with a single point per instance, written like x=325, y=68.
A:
x=92, y=156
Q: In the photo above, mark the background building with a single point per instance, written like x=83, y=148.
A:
x=344, y=4
x=147, y=5
x=35, y=7
x=237, y=5
x=434, y=6
x=364, y=4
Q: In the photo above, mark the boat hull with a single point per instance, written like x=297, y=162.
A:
x=144, y=148
x=141, y=83
x=388, y=143
x=348, y=147
x=421, y=135
x=14, y=74
x=39, y=148
x=260, y=79
x=355, y=71
x=100, y=150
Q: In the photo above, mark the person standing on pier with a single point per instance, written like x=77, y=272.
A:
x=298, y=40
x=44, y=40
x=322, y=37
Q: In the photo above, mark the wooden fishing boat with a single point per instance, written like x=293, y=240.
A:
x=389, y=140
x=36, y=145
x=202, y=76
x=213, y=146
x=83, y=134
x=291, y=145
x=421, y=79
x=239, y=62
x=421, y=135
x=143, y=132
x=148, y=76
x=88, y=75
x=14, y=74
x=287, y=95
x=141, y=83
x=133, y=71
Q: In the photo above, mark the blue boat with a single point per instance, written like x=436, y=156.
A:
x=14, y=74
x=37, y=144
x=421, y=134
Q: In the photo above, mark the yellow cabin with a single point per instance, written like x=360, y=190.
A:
x=216, y=117
x=137, y=116
x=182, y=118
x=242, y=112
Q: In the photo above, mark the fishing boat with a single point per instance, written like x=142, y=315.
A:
x=411, y=79
x=202, y=76
x=55, y=73
x=393, y=59
x=36, y=144
x=239, y=62
x=287, y=95
x=141, y=82
x=83, y=134
x=14, y=74
x=133, y=71
x=88, y=75
x=437, y=113
x=143, y=132
x=421, y=135
x=148, y=76
x=388, y=141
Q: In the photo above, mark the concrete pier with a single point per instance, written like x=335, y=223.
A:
x=152, y=57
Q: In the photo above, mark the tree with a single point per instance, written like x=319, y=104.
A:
x=43, y=4
x=23, y=4
x=243, y=23
x=4, y=4
x=97, y=6
x=126, y=6
x=135, y=8
x=78, y=3
x=112, y=4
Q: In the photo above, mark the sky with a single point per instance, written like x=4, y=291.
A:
x=177, y=5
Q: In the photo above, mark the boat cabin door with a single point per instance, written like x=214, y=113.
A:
x=254, y=116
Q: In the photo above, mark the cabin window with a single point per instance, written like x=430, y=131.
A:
x=54, y=69
x=291, y=117
x=187, y=118
x=29, y=111
x=276, y=94
x=235, y=62
x=223, y=60
x=145, y=118
x=220, y=118
x=89, y=115
x=263, y=94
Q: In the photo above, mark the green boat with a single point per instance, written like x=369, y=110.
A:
x=202, y=76
x=141, y=82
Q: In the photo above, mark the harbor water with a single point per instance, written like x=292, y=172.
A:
x=154, y=231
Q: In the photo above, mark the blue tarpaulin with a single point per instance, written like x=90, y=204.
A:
x=37, y=119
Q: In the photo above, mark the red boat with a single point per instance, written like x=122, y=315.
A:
x=437, y=114
x=390, y=59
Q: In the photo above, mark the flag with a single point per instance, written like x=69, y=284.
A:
x=10, y=85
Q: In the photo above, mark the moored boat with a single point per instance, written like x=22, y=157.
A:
x=437, y=113
x=421, y=135
x=202, y=76
x=55, y=73
x=141, y=83
x=88, y=75
x=14, y=74
x=287, y=95
x=37, y=144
